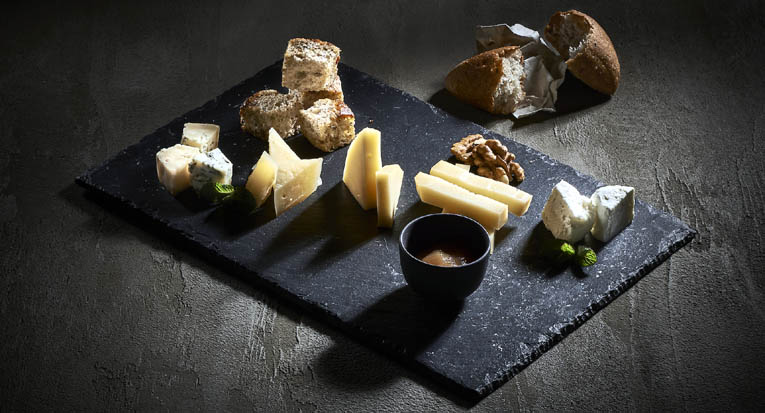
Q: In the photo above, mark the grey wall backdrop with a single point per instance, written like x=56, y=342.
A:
x=98, y=314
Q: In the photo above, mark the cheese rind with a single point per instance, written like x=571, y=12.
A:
x=388, y=183
x=613, y=209
x=516, y=200
x=438, y=192
x=295, y=182
x=201, y=135
x=262, y=179
x=361, y=165
x=173, y=167
x=567, y=213
x=208, y=167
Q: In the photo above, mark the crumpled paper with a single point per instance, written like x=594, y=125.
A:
x=545, y=69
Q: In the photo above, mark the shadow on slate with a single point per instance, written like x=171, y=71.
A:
x=573, y=96
x=327, y=257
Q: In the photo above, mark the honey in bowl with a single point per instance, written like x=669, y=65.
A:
x=446, y=255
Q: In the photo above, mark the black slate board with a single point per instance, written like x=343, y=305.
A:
x=327, y=256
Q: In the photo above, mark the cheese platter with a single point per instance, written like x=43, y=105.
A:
x=327, y=255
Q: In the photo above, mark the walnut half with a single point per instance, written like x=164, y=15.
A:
x=492, y=159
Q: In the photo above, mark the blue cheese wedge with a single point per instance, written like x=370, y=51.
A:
x=567, y=213
x=173, y=167
x=212, y=167
x=613, y=209
x=201, y=135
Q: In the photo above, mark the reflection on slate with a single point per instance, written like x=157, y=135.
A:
x=327, y=256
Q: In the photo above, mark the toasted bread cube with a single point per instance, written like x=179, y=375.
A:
x=328, y=124
x=270, y=109
x=309, y=64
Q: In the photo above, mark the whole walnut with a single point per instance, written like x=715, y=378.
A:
x=492, y=159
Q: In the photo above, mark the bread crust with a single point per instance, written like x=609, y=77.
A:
x=256, y=119
x=474, y=80
x=597, y=64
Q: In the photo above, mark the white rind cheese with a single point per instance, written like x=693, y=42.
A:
x=262, y=179
x=389, y=180
x=173, y=167
x=567, y=213
x=517, y=201
x=201, y=135
x=457, y=200
x=208, y=167
x=361, y=165
x=613, y=209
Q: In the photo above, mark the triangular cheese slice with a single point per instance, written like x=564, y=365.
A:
x=295, y=182
x=361, y=165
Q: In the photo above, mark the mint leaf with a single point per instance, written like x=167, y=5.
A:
x=557, y=251
x=216, y=193
x=585, y=256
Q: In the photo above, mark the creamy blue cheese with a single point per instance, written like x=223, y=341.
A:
x=567, y=213
x=613, y=209
x=201, y=135
x=212, y=166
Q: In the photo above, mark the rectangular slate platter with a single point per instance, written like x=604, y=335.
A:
x=328, y=257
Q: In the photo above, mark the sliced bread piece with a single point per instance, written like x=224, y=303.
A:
x=270, y=109
x=492, y=80
x=328, y=124
x=587, y=49
x=309, y=64
x=334, y=92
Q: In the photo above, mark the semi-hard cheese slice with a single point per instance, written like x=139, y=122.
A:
x=295, y=181
x=516, y=200
x=173, y=167
x=438, y=192
x=463, y=166
x=389, y=180
x=361, y=165
x=262, y=179
x=201, y=135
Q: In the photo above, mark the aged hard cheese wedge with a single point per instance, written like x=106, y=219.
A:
x=389, y=180
x=173, y=167
x=516, y=200
x=201, y=135
x=262, y=179
x=361, y=164
x=438, y=192
x=296, y=178
x=295, y=182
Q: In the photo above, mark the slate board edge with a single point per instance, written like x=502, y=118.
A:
x=473, y=395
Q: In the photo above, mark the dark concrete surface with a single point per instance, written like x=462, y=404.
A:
x=99, y=314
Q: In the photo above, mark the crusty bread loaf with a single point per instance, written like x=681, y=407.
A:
x=334, y=92
x=309, y=64
x=588, y=50
x=328, y=124
x=492, y=80
x=270, y=109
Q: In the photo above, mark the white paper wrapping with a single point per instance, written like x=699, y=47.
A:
x=544, y=67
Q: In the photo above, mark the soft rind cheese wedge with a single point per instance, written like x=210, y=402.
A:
x=613, y=208
x=173, y=167
x=438, y=192
x=567, y=213
x=201, y=135
x=295, y=182
x=361, y=165
x=517, y=201
x=262, y=179
x=208, y=167
x=389, y=180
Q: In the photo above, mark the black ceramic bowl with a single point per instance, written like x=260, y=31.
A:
x=444, y=283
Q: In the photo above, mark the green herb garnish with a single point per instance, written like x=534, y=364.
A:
x=585, y=256
x=228, y=195
x=562, y=253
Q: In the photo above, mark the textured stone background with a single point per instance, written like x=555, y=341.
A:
x=96, y=313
